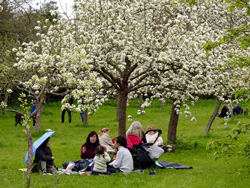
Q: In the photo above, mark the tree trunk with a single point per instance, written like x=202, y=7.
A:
x=85, y=117
x=172, y=127
x=246, y=112
x=210, y=122
x=40, y=105
x=30, y=152
x=117, y=106
x=6, y=97
x=140, y=102
x=162, y=105
x=232, y=115
x=122, y=113
x=232, y=110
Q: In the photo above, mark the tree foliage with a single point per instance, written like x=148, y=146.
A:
x=237, y=143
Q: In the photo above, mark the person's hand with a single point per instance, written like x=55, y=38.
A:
x=83, y=149
x=114, y=157
x=51, y=166
x=105, y=149
x=53, y=158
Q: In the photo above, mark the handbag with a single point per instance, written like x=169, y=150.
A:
x=155, y=152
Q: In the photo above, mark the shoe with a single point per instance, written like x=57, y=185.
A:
x=44, y=173
x=152, y=172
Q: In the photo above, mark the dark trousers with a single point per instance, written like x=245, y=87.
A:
x=18, y=123
x=34, y=121
x=111, y=169
x=69, y=114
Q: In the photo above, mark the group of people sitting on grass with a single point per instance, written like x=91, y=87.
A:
x=225, y=111
x=96, y=150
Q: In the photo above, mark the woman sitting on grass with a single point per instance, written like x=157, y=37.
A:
x=135, y=129
x=123, y=162
x=106, y=141
x=88, y=148
x=44, y=159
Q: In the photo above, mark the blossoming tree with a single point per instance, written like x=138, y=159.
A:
x=54, y=61
x=135, y=44
x=198, y=72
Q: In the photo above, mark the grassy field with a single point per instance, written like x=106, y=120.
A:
x=68, y=138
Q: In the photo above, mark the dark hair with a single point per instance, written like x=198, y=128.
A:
x=88, y=143
x=122, y=141
x=99, y=150
x=45, y=142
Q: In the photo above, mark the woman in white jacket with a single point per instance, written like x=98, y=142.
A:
x=106, y=141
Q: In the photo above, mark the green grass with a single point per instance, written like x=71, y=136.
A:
x=68, y=138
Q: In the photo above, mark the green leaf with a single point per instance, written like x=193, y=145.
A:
x=248, y=11
x=191, y=2
x=231, y=8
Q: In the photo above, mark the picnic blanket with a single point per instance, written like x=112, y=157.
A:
x=165, y=164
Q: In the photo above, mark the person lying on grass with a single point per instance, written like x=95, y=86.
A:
x=44, y=160
x=123, y=162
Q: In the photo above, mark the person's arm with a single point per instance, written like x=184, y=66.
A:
x=83, y=151
x=107, y=157
x=94, y=159
x=52, y=162
x=42, y=156
x=118, y=160
x=109, y=142
x=159, y=141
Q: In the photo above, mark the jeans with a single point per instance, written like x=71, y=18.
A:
x=81, y=114
x=18, y=123
x=41, y=165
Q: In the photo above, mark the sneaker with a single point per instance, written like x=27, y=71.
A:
x=44, y=173
x=152, y=172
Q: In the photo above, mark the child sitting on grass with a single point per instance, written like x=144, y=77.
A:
x=100, y=161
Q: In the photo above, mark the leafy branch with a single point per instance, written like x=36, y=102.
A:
x=233, y=145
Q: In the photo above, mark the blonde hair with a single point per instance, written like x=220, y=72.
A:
x=150, y=127
x=103, y=130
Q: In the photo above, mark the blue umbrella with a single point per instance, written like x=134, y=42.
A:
x=37, y=143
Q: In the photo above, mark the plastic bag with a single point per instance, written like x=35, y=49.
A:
x=70, y=166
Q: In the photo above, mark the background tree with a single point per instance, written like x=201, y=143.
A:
x=12, y=35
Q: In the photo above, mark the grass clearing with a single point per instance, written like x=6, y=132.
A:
x=68, y=138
